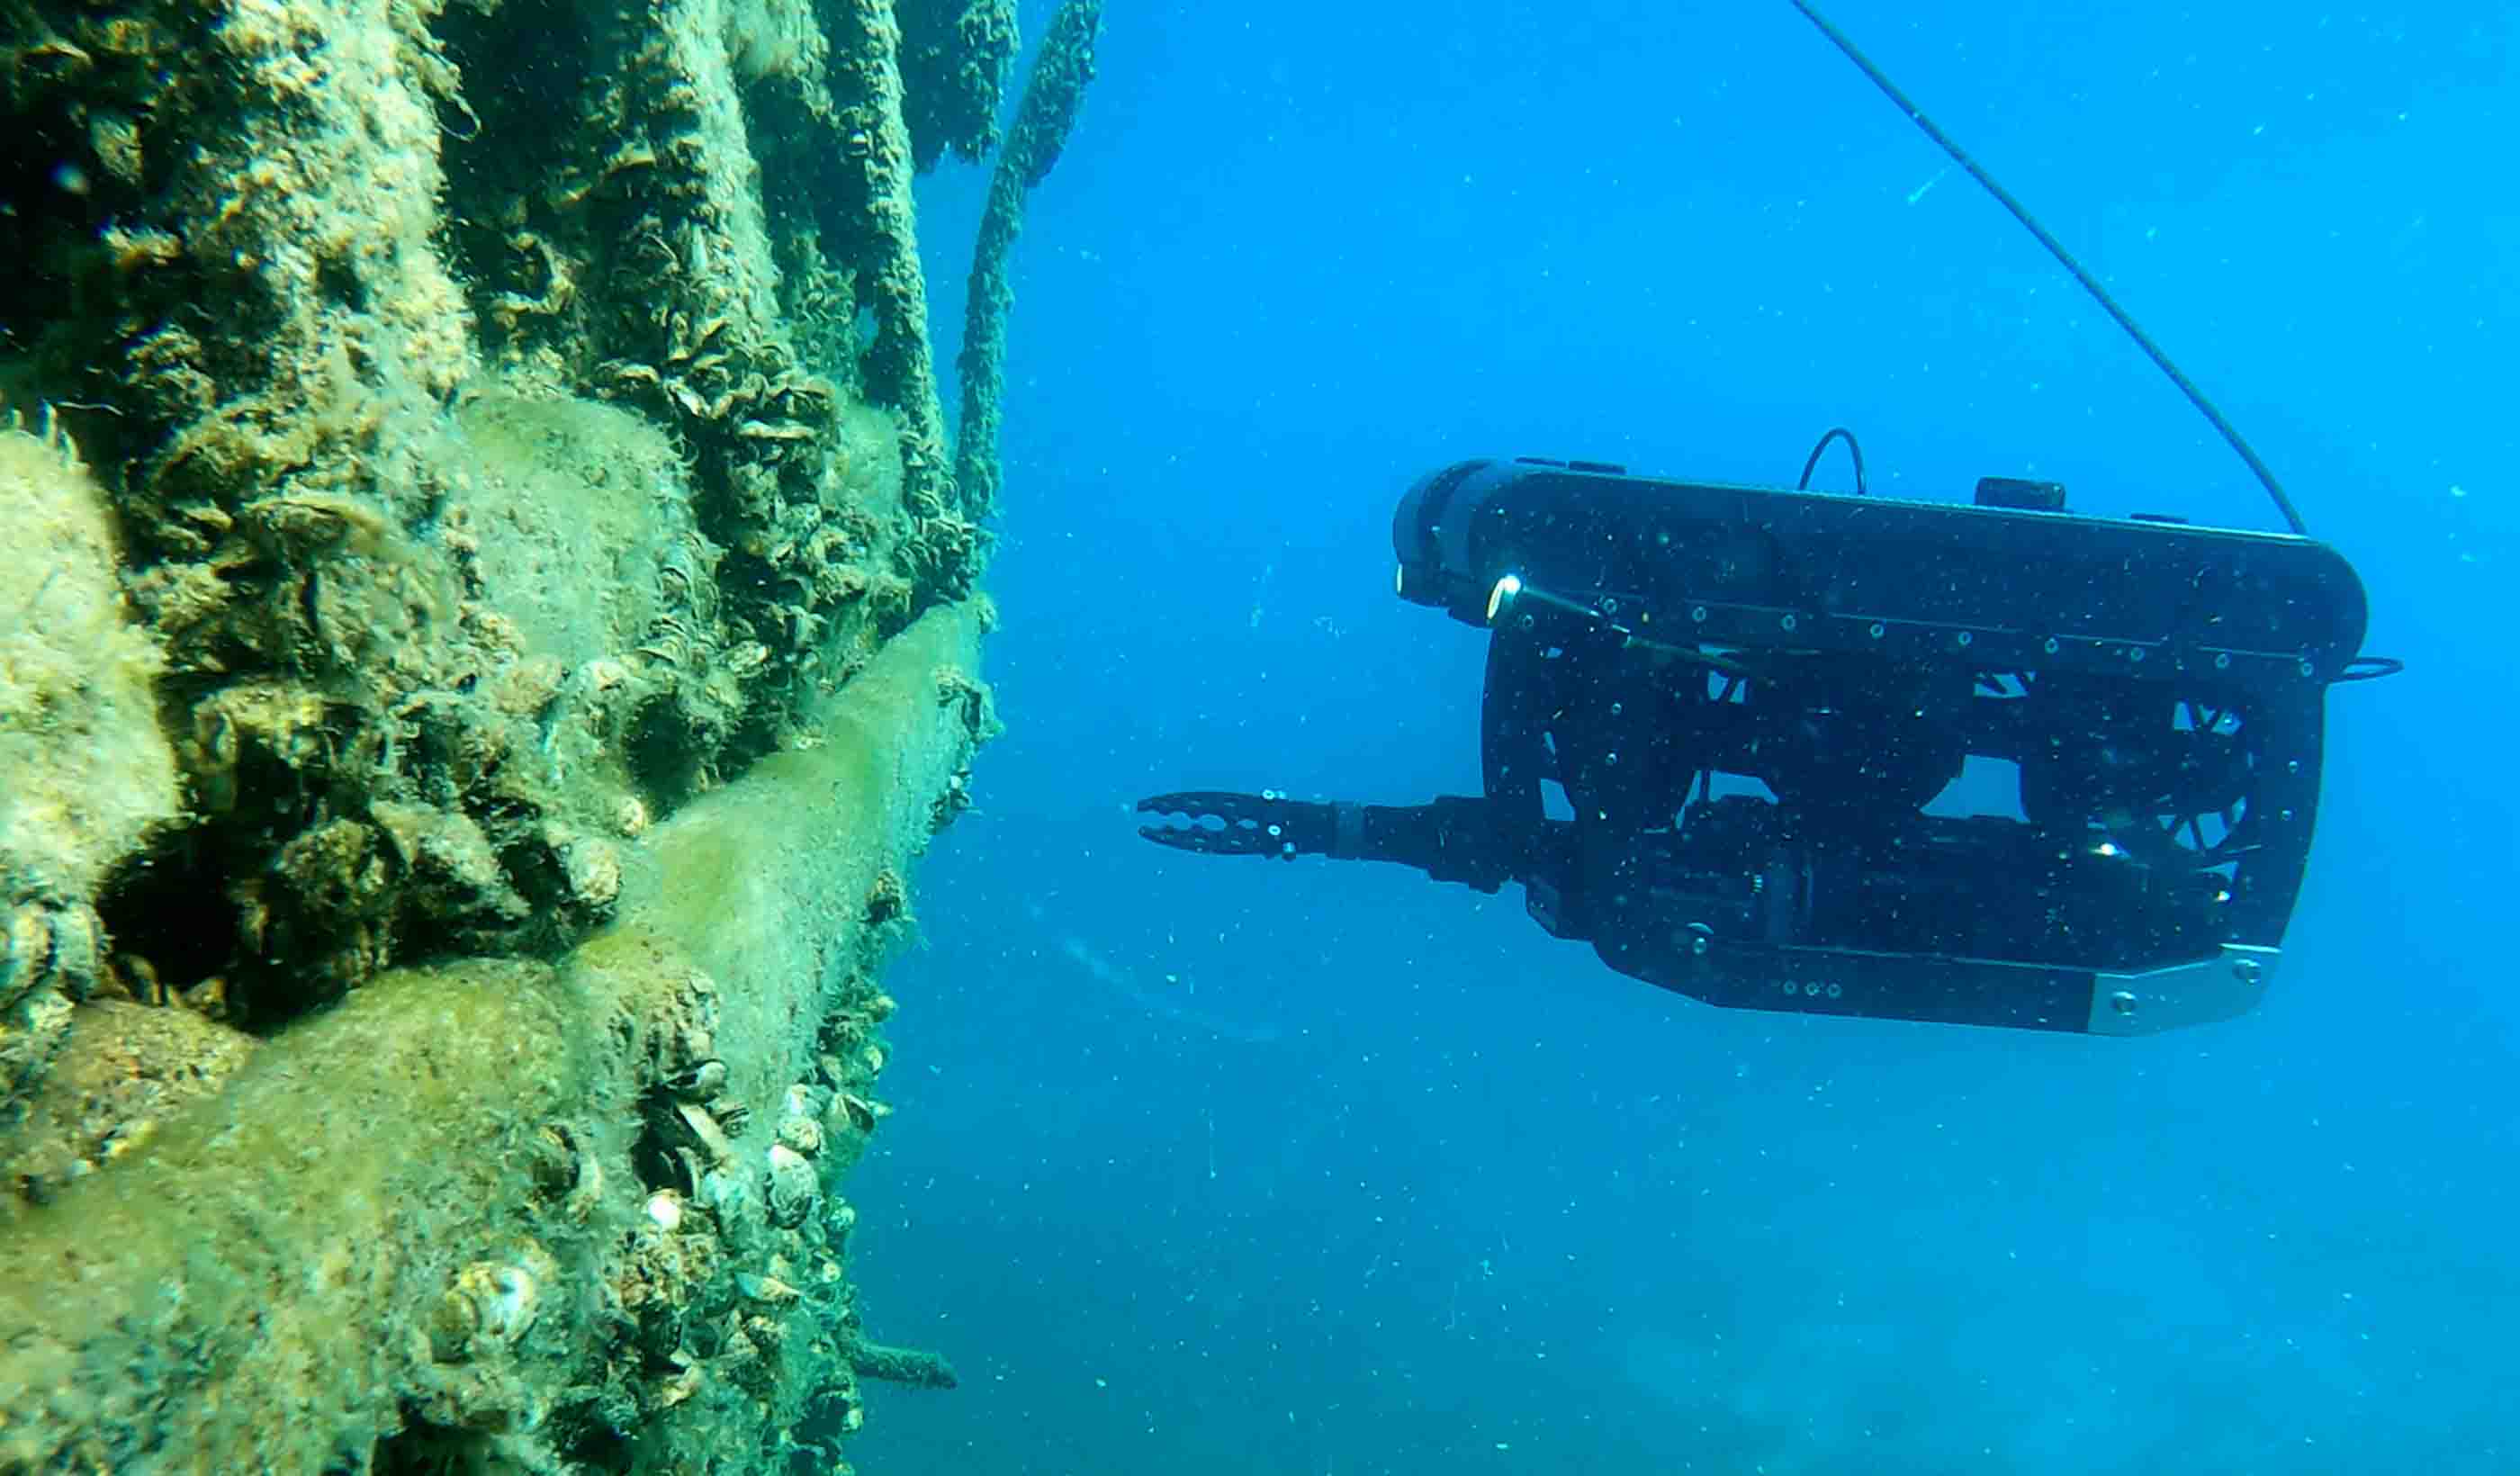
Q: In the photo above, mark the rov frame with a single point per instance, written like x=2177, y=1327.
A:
x=1791, y=678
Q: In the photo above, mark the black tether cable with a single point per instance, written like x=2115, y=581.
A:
x=1836, y=433
x=2055, y=248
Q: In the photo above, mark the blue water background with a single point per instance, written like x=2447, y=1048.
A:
x=1233, y=1167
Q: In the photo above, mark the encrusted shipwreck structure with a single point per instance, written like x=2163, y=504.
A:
x=488, y=614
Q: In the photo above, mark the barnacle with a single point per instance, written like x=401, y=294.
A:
x=793, y=1187
x=854, y=1111
x=491, y=1305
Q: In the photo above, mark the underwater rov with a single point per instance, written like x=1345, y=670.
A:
x=1751, y=699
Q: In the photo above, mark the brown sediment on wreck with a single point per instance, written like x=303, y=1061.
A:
x=515, y=631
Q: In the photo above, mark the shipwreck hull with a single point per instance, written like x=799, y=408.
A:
x=493, y=617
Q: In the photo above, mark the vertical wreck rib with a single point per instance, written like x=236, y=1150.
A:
x=875, y=149
x=1052, y=95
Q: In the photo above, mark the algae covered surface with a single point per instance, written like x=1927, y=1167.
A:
x=491, y=616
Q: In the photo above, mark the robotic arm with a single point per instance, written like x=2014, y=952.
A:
x=1453, y=839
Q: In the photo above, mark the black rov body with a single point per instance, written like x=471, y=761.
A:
x=1726, y=729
